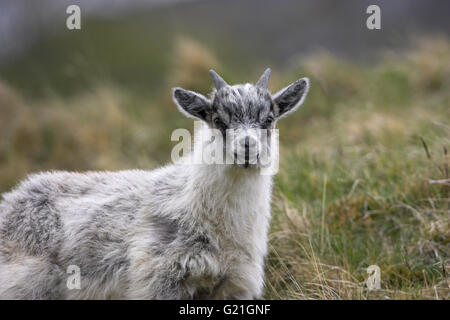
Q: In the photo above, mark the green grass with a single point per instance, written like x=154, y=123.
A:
x=364, y=163
x=356, y=189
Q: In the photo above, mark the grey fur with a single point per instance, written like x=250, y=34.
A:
x=177, y=232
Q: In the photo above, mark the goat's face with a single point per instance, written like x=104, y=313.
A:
x=244, y=114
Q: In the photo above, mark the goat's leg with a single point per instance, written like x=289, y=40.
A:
x=243, y=282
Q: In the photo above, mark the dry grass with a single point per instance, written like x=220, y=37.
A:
x=364, y=168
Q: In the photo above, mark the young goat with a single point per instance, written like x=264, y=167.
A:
x=184, y=231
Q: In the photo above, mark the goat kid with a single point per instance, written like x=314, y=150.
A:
x=178, y=232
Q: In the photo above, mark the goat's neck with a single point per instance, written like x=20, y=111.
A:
x=226, y=181
x=231, y=201
x=226, y=189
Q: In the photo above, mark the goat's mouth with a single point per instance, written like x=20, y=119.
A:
x=247, y=165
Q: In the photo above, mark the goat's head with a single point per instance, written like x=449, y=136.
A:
x=242, y=112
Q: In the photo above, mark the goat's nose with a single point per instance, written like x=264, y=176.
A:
x=247, y=142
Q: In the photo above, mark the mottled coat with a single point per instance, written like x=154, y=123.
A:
x=178, y=232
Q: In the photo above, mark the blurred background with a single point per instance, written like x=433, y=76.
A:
x=364, y=175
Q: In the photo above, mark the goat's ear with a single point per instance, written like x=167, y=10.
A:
x=191, y=104
x=287, y=100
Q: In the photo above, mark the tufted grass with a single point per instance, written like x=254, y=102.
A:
x=364, y=175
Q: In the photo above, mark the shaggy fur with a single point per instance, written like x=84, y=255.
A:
x=178, y=232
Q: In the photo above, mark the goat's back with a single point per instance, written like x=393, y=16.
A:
x=53, y=220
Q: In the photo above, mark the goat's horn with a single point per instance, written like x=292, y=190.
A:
x=219, y=83
x=263, y=82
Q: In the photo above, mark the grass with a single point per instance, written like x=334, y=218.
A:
x=368, y=183
x=364, y=176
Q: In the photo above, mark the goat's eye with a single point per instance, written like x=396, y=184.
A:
x=269, y=120
x=218, y=122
